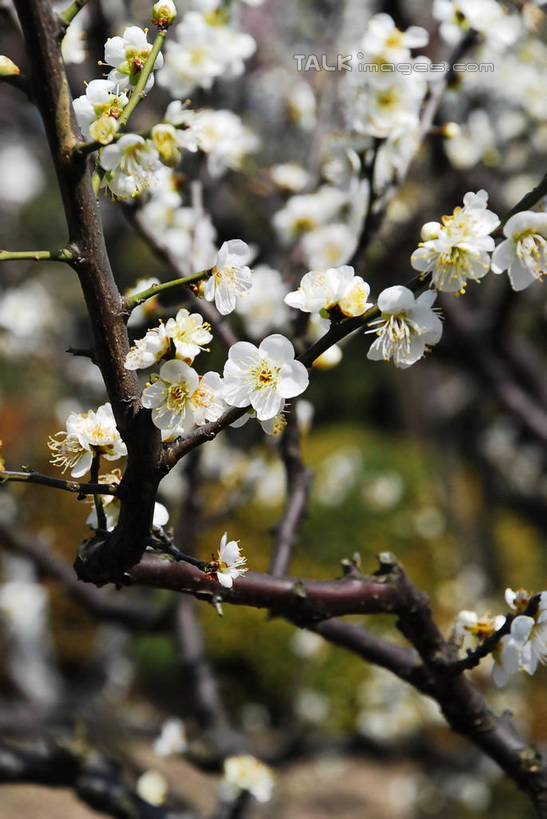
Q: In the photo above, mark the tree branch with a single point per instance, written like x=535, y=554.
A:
x=58, y=483
x=299, y=479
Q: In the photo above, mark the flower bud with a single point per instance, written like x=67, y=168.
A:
x=103, y=130
x=450, y=130
x=163, y=13
x=8, y=67
x=430, y=231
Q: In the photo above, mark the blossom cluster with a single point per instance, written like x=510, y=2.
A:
x=462, y=249
x=523, y=647
x=406, y=328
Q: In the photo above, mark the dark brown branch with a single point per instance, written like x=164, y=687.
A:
x=99, y=604
x=96, y=780
x=403, y=662
x=104, y=302
x=310, y=602
x=299, y=479
x=303, y=601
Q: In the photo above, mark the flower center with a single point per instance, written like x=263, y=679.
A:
x=177, y=395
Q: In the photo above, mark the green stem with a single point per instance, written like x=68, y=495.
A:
x=94, y=475
x=139, y=298
x=58, y=483
x=68, y=15
x=62, y=255
x=138, y=92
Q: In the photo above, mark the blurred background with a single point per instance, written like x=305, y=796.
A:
x=432, y=463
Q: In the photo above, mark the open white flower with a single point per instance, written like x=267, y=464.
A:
x=206, y=401
x=230, y=276
x=326, y=289
x=458, y=249
x=524, y=252
x=263, y=377
x=131, y=164
x=128, y=55
x=201, y=51
x=486, y=16
x=531, y=634
x=148, y=350
x=406, y=327
x=469, y=622
x=246, y=773
x=99, y=109
x=189, y=333
x=328, y=246
x=86, y=434
x=168, y=396
x=230, y=563
x=384, y=42
x=262, y=306
x=308, y=211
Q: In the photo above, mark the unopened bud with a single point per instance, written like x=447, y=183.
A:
x=430, y=231
x=8, y=67
x=163, y=13
x=450, y=130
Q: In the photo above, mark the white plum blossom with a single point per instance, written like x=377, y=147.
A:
x=486, y=16
x=329, y=246
x=468, y=622
x=406, y=327
x=188, y=232
x=262, y=306
x=327, y=289
x=98, y=110
x=73, y=43
x=229, y=563
x=302, y=105
x=385, y=103
x=206, y=402
x=130, y=164
x=290, y=175
x=246, y=773
x=230, y=276
x=179, y=398
x=306, y=212
x=189, y=333
x=524, y=252
x=201, y=51
x=384, y=42
x=532, y=635
x=458, y=249
x=128, y=54
x=87, y=434
x=222, y=136
x=263, y=377
x=111, y=505
x=172, y=738
x=148, y=350
x=168, y=396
